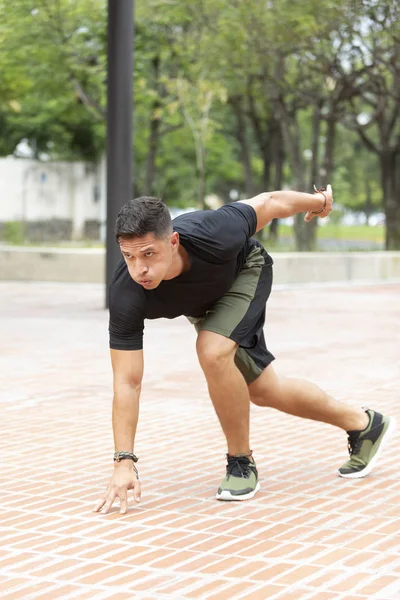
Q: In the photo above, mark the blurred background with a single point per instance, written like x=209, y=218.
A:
x=231, y=98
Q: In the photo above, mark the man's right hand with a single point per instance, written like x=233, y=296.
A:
x=124, y=478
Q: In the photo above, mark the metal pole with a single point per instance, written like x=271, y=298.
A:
x=119, y=122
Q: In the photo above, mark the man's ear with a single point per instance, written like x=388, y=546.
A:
x=175, y=239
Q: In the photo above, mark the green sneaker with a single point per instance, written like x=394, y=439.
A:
x=366, y=445
x=241, y=481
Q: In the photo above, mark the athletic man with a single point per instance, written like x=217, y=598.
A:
x=207, y=266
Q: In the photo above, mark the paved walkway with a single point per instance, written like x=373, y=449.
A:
x=308, y=535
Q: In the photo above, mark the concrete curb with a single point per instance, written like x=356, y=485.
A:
x=52, y=264
x=88, y=265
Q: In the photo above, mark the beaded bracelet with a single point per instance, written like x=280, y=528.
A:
x=320, y=190
x=118, y=456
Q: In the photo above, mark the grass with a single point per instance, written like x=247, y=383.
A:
x=350, y=233
x=54, y=244
x=370, y=238
x=331, y=237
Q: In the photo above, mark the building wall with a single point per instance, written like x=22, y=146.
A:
x=32, y=191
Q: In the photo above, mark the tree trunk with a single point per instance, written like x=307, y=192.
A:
x=152, y=153
x=327, y=168
x=314, y=173
x=266, y=175
x=316, y=128
x=245, y=154
x=273, y=230
x=305, y=233
x=262, y=132
x=154, y=131
x=202, y=179
x=267, y=161
x=278, y=160
x=389, y=160
x=368, y=206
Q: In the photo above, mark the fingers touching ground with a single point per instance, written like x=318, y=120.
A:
x=113, y=492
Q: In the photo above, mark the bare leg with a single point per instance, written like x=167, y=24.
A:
x=227, y=388
x=303, y=399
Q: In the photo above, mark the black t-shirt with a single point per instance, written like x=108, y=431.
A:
x=217, y=242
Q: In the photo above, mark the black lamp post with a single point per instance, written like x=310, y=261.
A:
x=119, y=122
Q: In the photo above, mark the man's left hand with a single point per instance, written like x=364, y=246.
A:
x=328, y=199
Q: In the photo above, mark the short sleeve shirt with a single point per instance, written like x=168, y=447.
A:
x=217, y=243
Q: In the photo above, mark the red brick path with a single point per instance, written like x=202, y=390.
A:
x=308, y=535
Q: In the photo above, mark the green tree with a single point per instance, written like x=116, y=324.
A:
x=356, y=178
x=57, y=52
x=374, y=113
x=246, y=95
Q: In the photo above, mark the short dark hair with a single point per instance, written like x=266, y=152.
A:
x=143, y=215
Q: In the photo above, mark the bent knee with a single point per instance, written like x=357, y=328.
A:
x=259, y=400
x=269, y=395
x=267, y=389
x=213, y=350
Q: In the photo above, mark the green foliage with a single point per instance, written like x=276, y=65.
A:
x=219, y=86
x=52, y=60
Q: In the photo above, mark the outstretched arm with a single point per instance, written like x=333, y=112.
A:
x=286, y=203
x=128, y=372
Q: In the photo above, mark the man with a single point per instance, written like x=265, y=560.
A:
x=206, y=265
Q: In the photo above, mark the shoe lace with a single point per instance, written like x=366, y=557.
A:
x=239, y=466
x=354, y=442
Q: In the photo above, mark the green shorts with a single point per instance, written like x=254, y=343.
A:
x=240, y=314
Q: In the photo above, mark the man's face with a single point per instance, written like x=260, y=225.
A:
x=149, y=259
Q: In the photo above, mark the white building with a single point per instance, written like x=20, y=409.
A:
x=40, y=191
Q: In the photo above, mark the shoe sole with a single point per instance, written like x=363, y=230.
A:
x=386, y=438
x=228, y=497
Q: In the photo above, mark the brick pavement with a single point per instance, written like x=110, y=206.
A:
x=308, y=535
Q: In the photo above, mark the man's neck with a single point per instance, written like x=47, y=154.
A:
x=180, y=265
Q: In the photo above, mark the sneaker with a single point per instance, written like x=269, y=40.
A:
x=241, y=481
x=366, y=445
